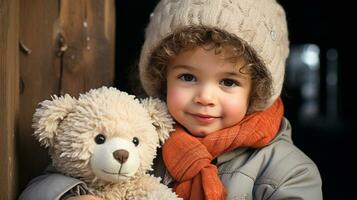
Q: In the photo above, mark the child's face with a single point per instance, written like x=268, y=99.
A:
x=206, y=92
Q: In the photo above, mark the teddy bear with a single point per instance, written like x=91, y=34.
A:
x=108, y=139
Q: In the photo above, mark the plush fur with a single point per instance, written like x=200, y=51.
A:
x=108, y=139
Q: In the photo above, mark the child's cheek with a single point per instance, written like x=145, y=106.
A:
x=175, y=100
x=234, y=110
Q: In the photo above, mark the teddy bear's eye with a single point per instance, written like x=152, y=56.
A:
x=99, y=139
x=136, y=141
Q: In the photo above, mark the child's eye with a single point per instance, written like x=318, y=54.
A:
x=229, y=83
x=187, y=77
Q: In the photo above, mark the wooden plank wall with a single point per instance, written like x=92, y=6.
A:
x=9, y=98
x=65, y=47
x=39, y=78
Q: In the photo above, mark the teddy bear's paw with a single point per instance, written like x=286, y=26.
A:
x=154, y=189
x=163, y=194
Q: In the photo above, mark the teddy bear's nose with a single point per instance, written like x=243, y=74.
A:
x=121, y=155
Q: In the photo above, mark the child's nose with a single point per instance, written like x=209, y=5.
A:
x=205, y=96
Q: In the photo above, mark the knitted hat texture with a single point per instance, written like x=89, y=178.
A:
x=260, y=23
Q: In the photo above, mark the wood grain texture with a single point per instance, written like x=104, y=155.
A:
x=39, y=77
x=88, y=31
x=9, y=96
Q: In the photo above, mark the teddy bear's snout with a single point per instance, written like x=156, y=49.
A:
x=121, y=155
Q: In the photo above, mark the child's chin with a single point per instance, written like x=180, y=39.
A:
x=200, y=133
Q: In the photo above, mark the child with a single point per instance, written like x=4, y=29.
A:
x=219, y=64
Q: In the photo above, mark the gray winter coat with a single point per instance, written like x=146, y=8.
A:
x=277, y=171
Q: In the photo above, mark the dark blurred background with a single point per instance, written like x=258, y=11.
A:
x=319, y=88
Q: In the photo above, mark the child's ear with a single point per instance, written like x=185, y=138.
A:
x=49, y=115
x=162, y=120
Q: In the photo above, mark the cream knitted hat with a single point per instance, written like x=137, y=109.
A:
x=261, y=23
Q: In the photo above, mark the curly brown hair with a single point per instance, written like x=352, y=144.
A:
x=191, y=37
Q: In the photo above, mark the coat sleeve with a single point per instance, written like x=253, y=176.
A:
x=53, y=185
x=291, y=179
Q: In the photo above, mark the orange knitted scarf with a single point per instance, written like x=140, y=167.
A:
x=188, y=158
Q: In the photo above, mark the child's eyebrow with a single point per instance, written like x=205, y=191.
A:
x=228, y=73
x=236, y=74
x=179, y=66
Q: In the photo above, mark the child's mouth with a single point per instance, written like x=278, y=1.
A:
x=202, y=118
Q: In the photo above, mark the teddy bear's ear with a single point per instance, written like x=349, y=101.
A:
x=48, y=116
x=162, y=120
